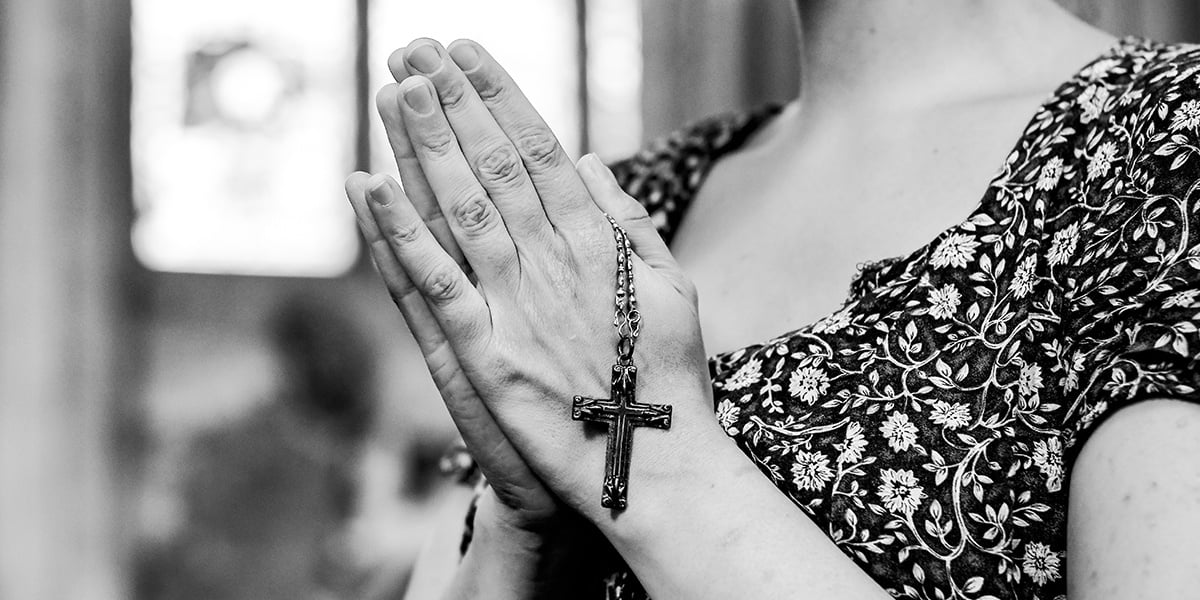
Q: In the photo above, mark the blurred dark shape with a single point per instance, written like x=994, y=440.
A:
x=328, y=367
x=428, y=469
x=267, y=497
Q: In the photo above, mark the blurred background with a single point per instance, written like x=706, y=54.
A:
x=205, y=392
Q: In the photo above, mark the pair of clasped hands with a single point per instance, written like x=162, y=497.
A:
x=498, y=254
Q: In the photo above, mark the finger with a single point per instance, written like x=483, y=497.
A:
x=459, y=309
x=394, y=278
x=647, y=244
x=492, y=156
x=628, y=212
x=473, y=218
x=396, y=65
x=563, y=195
x=421, y=322
x=499, y=460
x=416, y=186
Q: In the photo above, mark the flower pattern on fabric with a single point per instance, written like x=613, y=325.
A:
x=811, y=470
x=1040, y=563
x=951, y=416
x=928, y=427
x=956, y=250
x=808, y=383
x=900, y=492
x=899, y=432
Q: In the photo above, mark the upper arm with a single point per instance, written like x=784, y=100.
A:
x=1134, y=514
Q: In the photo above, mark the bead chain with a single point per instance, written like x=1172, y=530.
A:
x=627, y=320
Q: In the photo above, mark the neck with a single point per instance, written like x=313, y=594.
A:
x=893, y=55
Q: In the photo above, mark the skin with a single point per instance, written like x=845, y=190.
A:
x=908, y=108
x=539, y=280
x=887, y=116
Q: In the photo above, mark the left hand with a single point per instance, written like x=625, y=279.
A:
x=537, y=328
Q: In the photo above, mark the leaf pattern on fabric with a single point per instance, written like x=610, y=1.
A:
x=928, y=426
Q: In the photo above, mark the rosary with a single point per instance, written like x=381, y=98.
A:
x=622, y=413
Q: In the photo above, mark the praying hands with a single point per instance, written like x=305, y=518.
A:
x=535, y=328
x=499, y=255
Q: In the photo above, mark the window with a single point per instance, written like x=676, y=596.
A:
x=242, y=135
x=244, y=113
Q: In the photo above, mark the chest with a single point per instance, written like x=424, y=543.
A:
x=778, y=231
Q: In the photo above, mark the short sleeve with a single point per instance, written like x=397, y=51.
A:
x=1128, y=249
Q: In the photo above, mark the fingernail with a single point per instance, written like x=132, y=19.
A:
x=592, y=163
x=425, y=58
x=585, y=163
x=465, y=56
x=380, y=193
x=419, y=99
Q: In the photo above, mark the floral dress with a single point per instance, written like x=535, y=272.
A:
x=929, y=426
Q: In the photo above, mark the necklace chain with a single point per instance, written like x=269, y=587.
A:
x=627, y=319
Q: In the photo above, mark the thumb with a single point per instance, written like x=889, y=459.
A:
x=629, y=213
x=633, y=218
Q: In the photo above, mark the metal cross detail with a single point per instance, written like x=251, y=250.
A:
x=622, y=413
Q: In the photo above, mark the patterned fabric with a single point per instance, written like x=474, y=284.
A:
x=929, y=426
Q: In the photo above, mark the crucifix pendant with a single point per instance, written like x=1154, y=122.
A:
x=622, y=413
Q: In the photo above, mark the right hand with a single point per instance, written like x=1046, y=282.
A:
x=520, y=500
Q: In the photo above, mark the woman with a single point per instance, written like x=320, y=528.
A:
x=922, y=439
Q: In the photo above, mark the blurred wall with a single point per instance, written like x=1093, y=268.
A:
x=1167, y=20
x=707, y=56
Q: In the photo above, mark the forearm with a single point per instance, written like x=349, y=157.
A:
x=706, y=523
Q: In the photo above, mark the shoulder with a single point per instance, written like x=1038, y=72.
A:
x=1143, y=103
x=1134, y=529
x=1121, y=234
x=668, y=171
x=1137, y=79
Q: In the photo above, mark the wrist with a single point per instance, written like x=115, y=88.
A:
x=521, y=558
x=668, y=469
x=519, y=531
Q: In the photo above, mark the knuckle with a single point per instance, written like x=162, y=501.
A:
x=401, y=295
x=539, y=148
x=437, y=143
x=499, y=164
x=442, y=286
x=637, y=218
x=453, y=96
x=402, y=233
x=490, y=87
x=444, y=368
x=474, y=212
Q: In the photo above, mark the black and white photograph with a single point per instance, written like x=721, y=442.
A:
x=599, y=299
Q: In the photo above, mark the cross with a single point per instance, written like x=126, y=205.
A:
x=622, y=413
